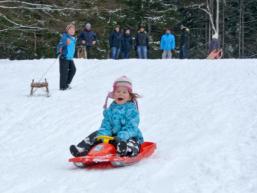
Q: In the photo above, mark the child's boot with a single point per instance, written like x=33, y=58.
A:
x=84, y=146
x=133, y=147
x=81, y=149
x=122, y=148
x=130, y=148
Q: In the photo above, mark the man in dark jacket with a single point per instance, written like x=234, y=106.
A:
x=115, y=42
x=126, y=44
x=184, y=42
x=87, y=38
x=142, y=43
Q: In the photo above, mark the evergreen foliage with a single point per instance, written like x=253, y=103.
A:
x=31, y=29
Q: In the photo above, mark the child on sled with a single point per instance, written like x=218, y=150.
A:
x=120, y=121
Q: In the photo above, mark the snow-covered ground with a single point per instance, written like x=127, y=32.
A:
x=201, y=113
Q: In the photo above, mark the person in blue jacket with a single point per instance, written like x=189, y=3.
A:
x=167, y=44
x=126, y=44
x=115, y=42
x=120, y=120
x=66, y=51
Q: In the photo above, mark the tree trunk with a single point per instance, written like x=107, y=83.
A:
x=217, y=15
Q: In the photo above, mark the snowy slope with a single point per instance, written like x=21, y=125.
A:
x=201, y=113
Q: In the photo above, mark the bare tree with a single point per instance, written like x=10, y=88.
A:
x=15, y=23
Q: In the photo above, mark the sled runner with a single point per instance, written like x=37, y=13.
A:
x=105, y=153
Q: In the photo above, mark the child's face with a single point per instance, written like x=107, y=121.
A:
x=71, y=31
x=121, y=95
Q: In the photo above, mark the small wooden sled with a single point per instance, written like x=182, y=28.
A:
x=35, y=85
x=82, y=52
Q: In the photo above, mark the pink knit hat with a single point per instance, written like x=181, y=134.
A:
x=121, y=81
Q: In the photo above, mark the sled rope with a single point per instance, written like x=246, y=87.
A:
x=48, y=69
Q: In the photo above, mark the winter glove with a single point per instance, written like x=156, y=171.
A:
x=68, y=42
x=115, y=141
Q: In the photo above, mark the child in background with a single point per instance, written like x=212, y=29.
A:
x=66, y=50
x=121, y=121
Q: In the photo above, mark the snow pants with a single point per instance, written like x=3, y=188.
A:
x=67, y=72
x=166, y=54
x=130, y=147
x=183, y=53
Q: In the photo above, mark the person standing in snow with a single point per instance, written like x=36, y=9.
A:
x=126, y=44
x=184, y=42
x=115, y=42
x=66, y=51
x=214, y=44
x=167, y=44
x=87, y=38
x=215, y=52
x=120, y=120
x=142, y=43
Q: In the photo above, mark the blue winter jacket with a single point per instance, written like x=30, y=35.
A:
x=68, y=51
x=122, y=122
x=115, y=39
x=168, y=42
x=126, y=43
x=88, y=36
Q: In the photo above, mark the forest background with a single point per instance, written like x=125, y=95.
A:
x=31, y=29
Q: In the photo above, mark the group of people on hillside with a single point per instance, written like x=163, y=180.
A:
x=121, y=46
x=122, y=43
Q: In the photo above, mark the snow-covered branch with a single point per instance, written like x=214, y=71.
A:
x=205, y=7
x=35, y=6
x=17, y=25
x=208, y=11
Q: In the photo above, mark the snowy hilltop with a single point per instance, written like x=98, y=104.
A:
x=201, y=113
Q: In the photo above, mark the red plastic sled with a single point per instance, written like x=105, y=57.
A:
x=105, y=153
